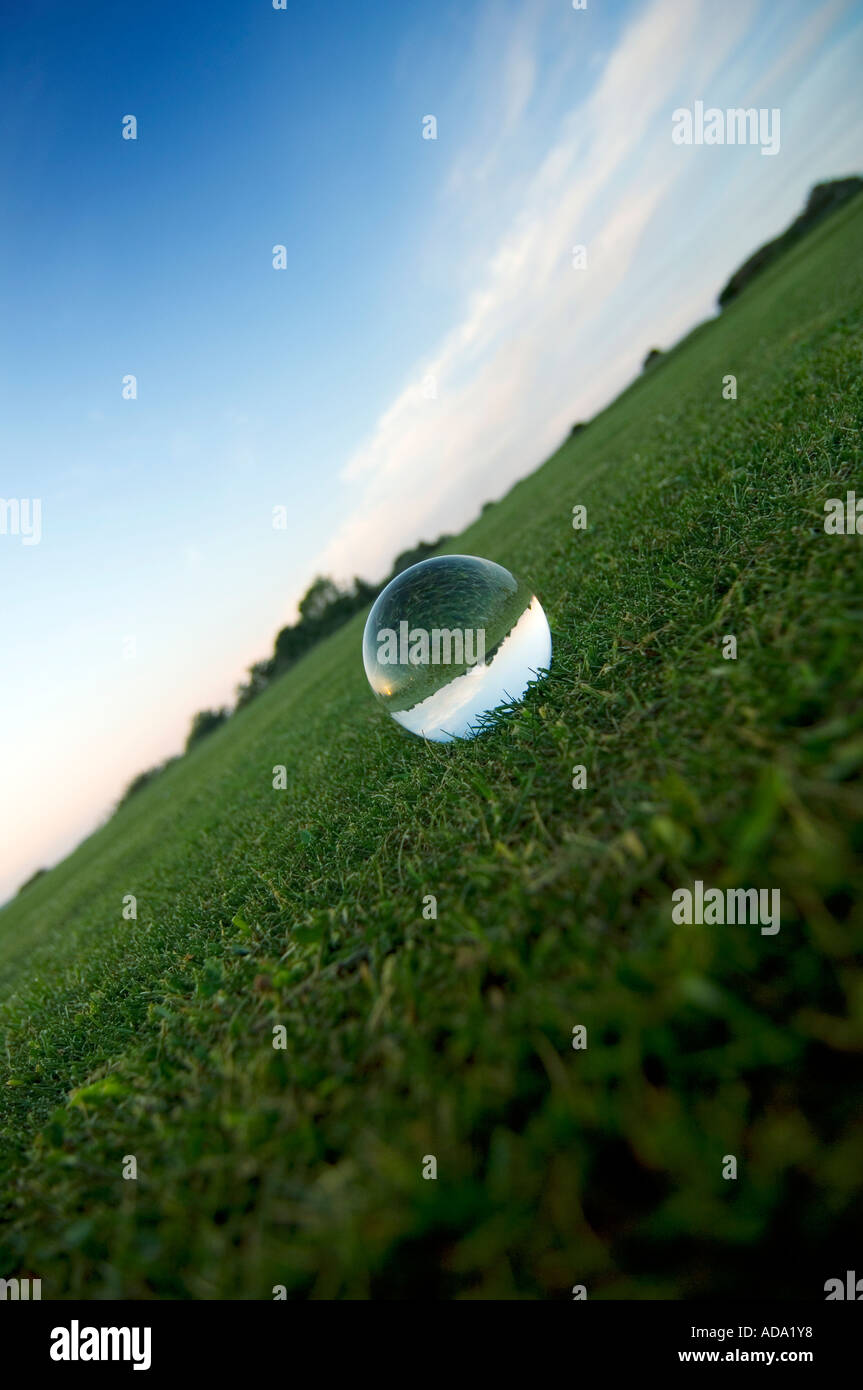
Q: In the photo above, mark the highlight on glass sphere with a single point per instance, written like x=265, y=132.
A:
x=449, y=641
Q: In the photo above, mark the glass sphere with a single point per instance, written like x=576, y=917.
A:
x=450, y=640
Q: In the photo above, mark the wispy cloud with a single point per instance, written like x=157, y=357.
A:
x=536, y=345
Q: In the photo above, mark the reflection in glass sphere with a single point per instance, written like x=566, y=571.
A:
x=451, y=639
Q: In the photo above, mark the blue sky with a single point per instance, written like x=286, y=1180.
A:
x=409, y=261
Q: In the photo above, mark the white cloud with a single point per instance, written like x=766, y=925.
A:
x=539, y=344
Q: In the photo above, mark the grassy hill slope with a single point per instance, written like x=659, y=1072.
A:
x=408, y=1037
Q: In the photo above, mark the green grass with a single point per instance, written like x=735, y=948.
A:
x=452, y=1037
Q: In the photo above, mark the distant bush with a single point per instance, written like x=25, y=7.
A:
x=32, y=879
x=259, y=679
x=138, y=783
x=652, y=358
x=144, y=779
x=824, y=199
x=323, y=608
x=412, y=557
x=204, y=723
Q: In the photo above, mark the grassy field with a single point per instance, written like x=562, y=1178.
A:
x=302, y=1167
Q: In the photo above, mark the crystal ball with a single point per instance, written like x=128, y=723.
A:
x=451, y=640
